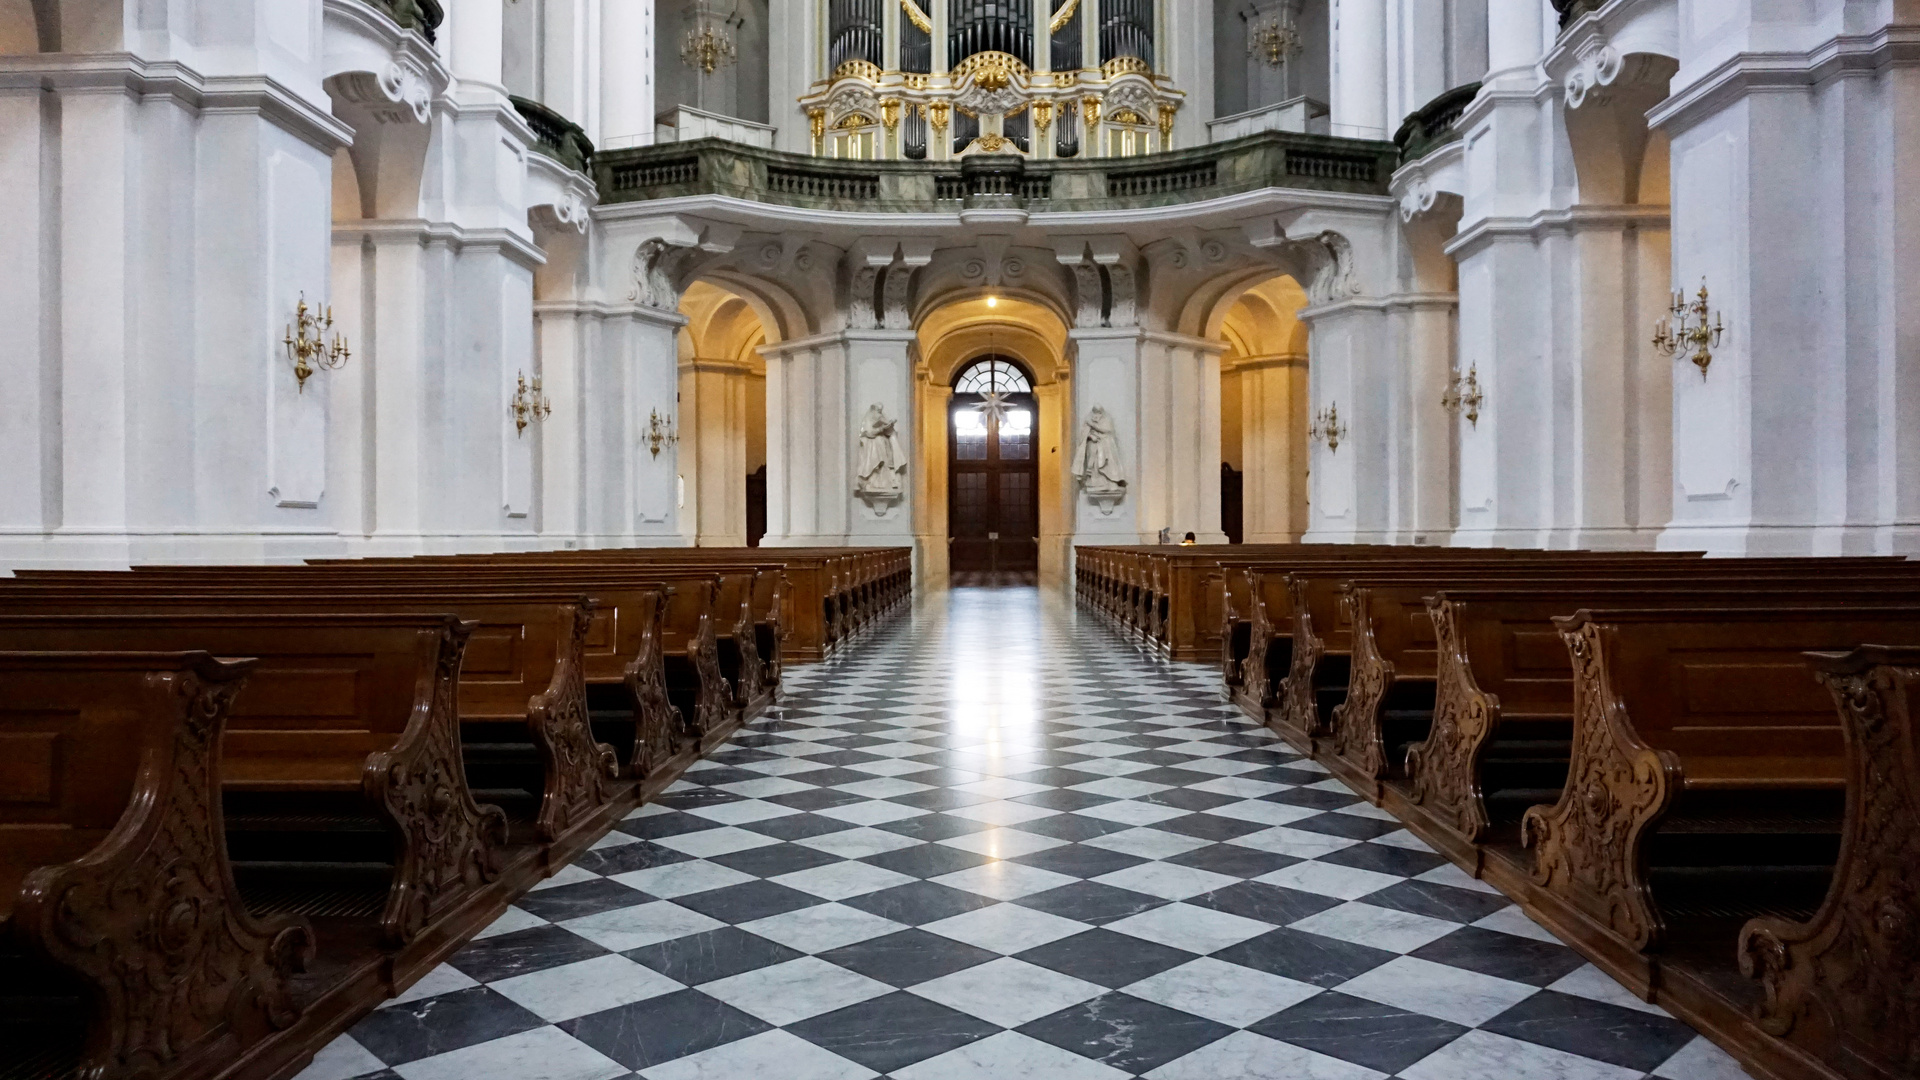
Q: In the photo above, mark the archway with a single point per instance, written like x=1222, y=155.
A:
x=1031, y=335
x=723, y=416
x=993, y=489
x=1263, y=407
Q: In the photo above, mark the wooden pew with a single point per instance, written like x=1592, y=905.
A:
x=124, y=947
x=525, y=723
x=345, y=791
x=650, y=649
x=814, y=617
x=1839, y=986
x=1324, y=664
x=1707, y=778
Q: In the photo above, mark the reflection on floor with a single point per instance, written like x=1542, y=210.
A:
x=994, y=579
x=994, y=841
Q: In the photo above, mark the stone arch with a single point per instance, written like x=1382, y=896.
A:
x=1263, y=398
x=1032, y=328
x=722, y=404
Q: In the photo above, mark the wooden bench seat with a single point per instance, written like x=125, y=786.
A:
x=124, y=947
x=1636, y=852
x=1838, y=985
x=655, y=644
x=828, y=594
x=1391, y=688
x=525, y=724
x=341, y=766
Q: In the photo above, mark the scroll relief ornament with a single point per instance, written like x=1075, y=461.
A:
x=880, y=476
x=1096, y=462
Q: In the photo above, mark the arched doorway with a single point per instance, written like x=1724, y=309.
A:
x=993, y=471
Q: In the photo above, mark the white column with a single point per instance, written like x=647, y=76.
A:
x=1273, y=447
x=1359, y=103
x=474, y=33
x=713, y=449
x=1514, y=29
x=626, y=73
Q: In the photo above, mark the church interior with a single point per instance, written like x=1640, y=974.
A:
x=959, y=540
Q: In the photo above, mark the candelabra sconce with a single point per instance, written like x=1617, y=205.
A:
x=307, y=346
x=662, y=432
x=708, y=46
x=1273, y=40
x=1327, y=428
x=1463, y=396
x=1686, y=331
x=529, y=405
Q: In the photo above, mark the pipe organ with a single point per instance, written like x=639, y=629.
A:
x=991, y=76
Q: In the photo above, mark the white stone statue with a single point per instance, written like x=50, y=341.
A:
x=1096, y=462
x=880, y=477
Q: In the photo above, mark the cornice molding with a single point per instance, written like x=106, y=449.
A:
x=1786, y=72
x=125, y=73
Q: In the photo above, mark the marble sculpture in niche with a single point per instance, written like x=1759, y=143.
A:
x=1096, y=462
x=880, y=478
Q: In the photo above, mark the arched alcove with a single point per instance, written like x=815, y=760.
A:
x=1263, y=410
x=951, y=337
x=723, y=415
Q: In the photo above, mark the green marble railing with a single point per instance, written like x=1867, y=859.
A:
x=422, y=15
x=1432, y=125
x=557, y=137
x=1270, y=159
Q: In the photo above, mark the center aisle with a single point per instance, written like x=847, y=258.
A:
x=995, y=841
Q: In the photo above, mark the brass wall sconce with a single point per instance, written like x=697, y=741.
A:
x=1464, y=395
x=661, y=432
x=1327, y=428
x=1273, y=40
x=1685, y=330
x=529, y=405
x=307, y=345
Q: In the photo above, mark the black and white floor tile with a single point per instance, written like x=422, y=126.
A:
x=994, y=841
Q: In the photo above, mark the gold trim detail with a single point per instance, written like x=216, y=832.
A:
x=1063, y=16
x=862, y=69
x=918, y=17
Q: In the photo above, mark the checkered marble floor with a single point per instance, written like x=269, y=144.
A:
x=994, y=841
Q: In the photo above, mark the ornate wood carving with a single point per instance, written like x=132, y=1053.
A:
x=658, y=726
x=1589, y=847
x=1256, y=685
x=1357, y=737
x=704, y=651
x=1299, y=710
x=751, y=674
x=578, y=769
x=448, y=844
x=151, y=920
x=1444, y=770
x=1846, y=984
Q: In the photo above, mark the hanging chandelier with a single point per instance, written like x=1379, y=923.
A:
x=709, y=44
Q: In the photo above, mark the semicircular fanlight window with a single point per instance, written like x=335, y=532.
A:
x=993, y=376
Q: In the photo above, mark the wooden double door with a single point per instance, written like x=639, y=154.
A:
x=993, y=490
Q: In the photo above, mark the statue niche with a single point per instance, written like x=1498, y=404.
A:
x=880, y=475
x=1096, y=463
